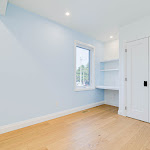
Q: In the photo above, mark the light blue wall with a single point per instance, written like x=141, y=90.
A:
x=37, y=67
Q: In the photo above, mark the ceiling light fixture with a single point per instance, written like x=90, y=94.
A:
x=67, y=14
x=111, y=37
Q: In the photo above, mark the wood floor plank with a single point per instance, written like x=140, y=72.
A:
x=98, y=128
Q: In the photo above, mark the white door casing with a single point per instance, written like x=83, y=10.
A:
x=149, y=78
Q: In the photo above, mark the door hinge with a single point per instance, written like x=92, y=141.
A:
x=125, y=50
x=125, y=107
x=125, y=79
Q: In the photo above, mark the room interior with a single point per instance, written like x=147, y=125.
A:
x=74, y=75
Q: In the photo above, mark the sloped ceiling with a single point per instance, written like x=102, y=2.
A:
x=96, y=18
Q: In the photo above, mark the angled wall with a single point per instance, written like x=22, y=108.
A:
x=37, y=67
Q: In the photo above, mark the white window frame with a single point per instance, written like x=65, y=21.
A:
x=92, y=66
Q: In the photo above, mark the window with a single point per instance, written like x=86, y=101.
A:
x=84, y=66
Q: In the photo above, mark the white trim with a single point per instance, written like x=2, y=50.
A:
x=123, y=75
x=120, y=112
x=116, y=69
x=111, y=104
x=105, y=61
x=83, y=89
x=22, y=124
x=107, y=87
x=85, y=45
x=123, y=83
x=92, y=66
x=3, y=7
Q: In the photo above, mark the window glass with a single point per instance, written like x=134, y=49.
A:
x=82, y=67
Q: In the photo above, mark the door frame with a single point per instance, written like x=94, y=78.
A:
x=123, y=95
x=128, y=81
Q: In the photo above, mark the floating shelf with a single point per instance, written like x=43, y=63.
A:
x=107, y=87
x=109, y=60
x=110, y=70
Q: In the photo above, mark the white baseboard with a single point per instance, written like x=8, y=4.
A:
x=22, y=124
x=121, y=112
x=110, y=104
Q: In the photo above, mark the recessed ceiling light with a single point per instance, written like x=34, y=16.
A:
x=67, y=14
x=111, y=37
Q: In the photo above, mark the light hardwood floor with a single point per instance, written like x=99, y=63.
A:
x=98, y=128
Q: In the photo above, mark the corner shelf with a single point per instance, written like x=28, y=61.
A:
x=110, y=70
x=105, y=61
x=108, y=87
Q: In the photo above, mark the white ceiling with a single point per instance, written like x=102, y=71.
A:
x=96, y=18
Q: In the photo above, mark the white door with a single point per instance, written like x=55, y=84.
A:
x=137, y=79
x=149, y=80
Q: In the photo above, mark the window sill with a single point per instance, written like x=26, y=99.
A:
x=84, y=89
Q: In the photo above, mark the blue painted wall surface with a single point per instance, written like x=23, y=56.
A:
x=37, y=67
